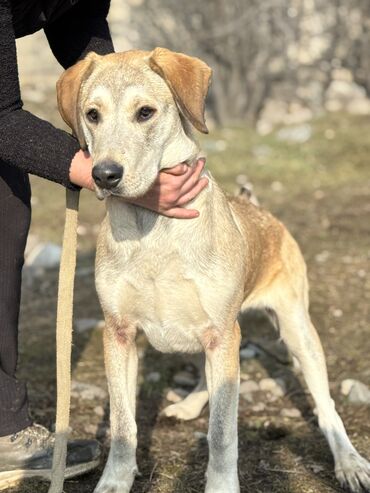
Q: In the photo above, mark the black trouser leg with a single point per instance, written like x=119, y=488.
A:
x=15, y=216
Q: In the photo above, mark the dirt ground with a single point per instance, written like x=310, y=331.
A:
x=321, y=190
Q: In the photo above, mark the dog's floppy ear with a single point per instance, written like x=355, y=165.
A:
x=68, y=89
x=188, y=78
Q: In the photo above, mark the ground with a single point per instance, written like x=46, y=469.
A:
x=321, y=190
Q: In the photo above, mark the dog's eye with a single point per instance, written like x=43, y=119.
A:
x=145, y=113
x=93, y=115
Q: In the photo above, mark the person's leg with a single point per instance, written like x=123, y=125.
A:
x=25, y=448
x=15, y=215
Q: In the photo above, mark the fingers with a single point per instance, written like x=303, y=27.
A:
x=193, y=178
x=180, y=213
x=177, y=170
x=193, y=192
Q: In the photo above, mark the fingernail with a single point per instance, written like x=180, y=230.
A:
x=202, y=160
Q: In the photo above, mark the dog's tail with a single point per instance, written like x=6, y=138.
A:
x=246, y=191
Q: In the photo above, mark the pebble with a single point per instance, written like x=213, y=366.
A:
x=184, y=378
x=248, y=386
x=87, y=391
x=247, y=396
x=276, y=386
x=153, y=377
x=292, y=412
x=44, y=255
x=257, y=408
x=99, y=411
x=356, y=391
x=91, y=429
x=199, y=435
x=248, y=352
x=85, y=324
x=295, y=133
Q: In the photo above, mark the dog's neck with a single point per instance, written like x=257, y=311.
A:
x=184, y=149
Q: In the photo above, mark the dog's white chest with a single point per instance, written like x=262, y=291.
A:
x=167, y=279
x=157, y=291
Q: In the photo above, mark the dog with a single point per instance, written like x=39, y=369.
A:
x=184, y=282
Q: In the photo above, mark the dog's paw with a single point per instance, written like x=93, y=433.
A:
x=181, y=410
x=112, y=487
x=222, y=483
x=353, y=473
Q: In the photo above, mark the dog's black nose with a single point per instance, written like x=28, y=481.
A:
x=107, y=175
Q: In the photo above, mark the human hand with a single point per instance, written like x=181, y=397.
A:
x=80, y=170
x=174, y=188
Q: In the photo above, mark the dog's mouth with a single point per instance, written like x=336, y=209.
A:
x=102, y=193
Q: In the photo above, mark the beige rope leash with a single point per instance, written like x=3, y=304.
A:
x=64, y=340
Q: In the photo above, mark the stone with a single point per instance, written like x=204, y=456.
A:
x=44, y=255
x=276, y=386
x=257, y=408
x=356, y=391
x=249, y=352
x=87, y=391
x=358, y=107
x=199, y=435
x=248, y=386
x=184, y=378
x=99, y=411
x=84, y=324
x=298, y=134
x=153, y=377
x=292, y=412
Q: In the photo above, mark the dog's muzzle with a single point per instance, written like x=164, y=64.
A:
x=107, y=175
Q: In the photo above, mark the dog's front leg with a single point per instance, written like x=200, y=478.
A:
x=121, y=367
x=222, y=371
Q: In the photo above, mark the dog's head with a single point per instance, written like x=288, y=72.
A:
x=132, y=111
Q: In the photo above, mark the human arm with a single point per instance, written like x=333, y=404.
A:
x=26, y=141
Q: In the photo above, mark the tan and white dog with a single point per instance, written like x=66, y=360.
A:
x=184, y=282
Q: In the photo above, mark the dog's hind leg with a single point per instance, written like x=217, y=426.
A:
x=121, y=367
x=222, y=371
x=192, y=405
x=298, y=332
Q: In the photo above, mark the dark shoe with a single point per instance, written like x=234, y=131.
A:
x=29, y=454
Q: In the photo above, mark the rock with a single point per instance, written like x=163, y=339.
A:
x=261, y=151
x=184, y=378
x=292, y=412
x=153, y=377
x=32, y=242
x=356, y=391
x=199, y=435
x=277, y=186
x=247, y=397
x=84, y=324
x=296, y=133
x=248, y=387
x=87, y=391
x=276, y=386
x=99, y=411
x=44, y=255
x=257, y=408
x=84, y=271
x=344, y=90
x=91, y=429
x=322, y=256
x=358, y=107
x=248, y=352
